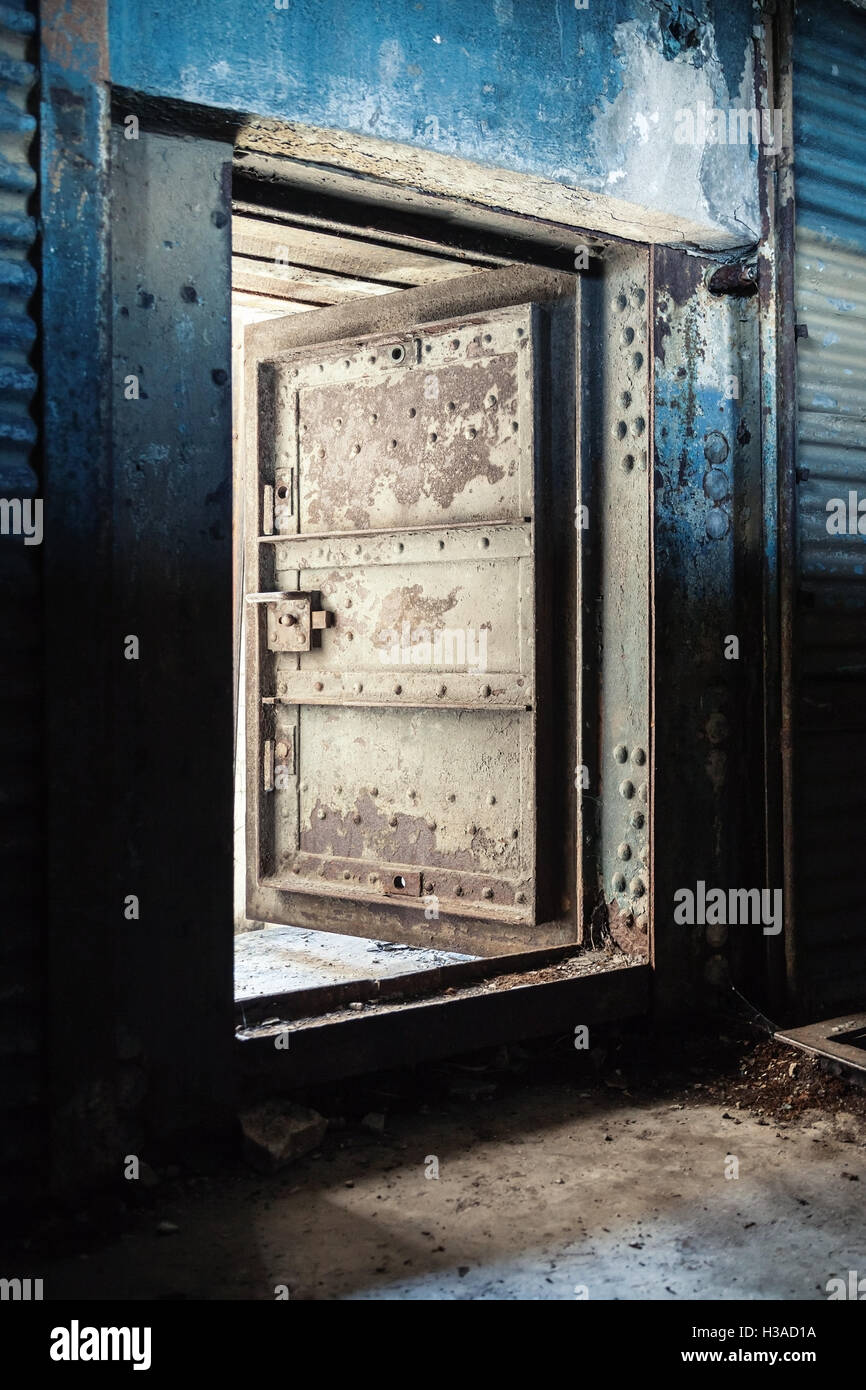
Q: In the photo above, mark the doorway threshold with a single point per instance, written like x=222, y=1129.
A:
x=840, y=1040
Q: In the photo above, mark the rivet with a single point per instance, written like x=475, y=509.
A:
x=471, y=433
x=637, y=819
x=412, y=412
x=472, y=830
x=520, y=897
x=624, y=850
x=458, y=891
x=627, y=336
x=374, y=791
x=358, y=688
x=392, y=820
x=441, y=545
x=281, y=688
x=514, y=427
x=288, y=620
x=451, y=796
x=372, y=357
x=350, y=636
x=455, y=343
x=626, y=789
x=488, y=893
x=519, y=333
x=491, y=400
x=373, y=419
x=643, y=793
x=356, y=448
x=485, y=690
x=321, y=813
x=411, y=793
x=346, y=874
x=393, y=444
x=515, y=833
x=483, y=542
x=398, y=689
x=451, y=407
x=638, y=757
x=430, y=823
x=491, y=800
x=488, y=338
x=357, y=550
x=636, y=887
x=644, y=854
x=318, y=686
x=442, y=689
x=399, y=547
x=433, y=436
x=628, y=463
x=618, y=883
x=356, y=818
x=620, y=752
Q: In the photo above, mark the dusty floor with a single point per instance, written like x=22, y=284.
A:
x=560, y=1175
x=276, y=960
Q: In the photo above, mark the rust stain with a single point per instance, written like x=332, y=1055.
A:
x=75, y=36
x=360, y=444
x=408, y=604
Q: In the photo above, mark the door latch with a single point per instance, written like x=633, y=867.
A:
x=294, y=620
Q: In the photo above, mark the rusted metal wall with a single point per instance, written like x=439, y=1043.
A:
x=830, y=172
x=708, y=588
x=21, y=1034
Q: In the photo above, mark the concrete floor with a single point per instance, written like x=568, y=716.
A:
x=543, y=1190
x=277, y=960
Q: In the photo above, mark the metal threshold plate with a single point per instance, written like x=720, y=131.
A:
x=836, y=1039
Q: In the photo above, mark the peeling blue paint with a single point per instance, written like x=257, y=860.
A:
x=506, y=84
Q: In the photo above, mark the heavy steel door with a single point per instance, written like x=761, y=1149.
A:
x=399, y=576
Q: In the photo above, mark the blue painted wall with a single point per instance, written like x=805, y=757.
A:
x=583, y=96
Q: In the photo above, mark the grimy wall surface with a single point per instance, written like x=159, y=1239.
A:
x=585, y=97
x=138, y=490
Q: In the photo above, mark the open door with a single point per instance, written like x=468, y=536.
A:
x=409, y=558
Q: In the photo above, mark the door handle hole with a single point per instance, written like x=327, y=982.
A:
x=399, y=881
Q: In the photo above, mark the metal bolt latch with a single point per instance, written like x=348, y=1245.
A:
x=293, y=620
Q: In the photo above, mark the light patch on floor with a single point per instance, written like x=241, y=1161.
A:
x=278, y=960
x=541, y=1194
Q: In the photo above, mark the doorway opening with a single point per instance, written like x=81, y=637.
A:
x=313, y=710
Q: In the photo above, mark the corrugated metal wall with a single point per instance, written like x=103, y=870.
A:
x=830, y=174
x=21, y=1129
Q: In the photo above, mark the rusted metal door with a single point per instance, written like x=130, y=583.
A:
x=399, y=617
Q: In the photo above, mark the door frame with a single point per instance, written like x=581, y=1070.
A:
x=78, y=401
